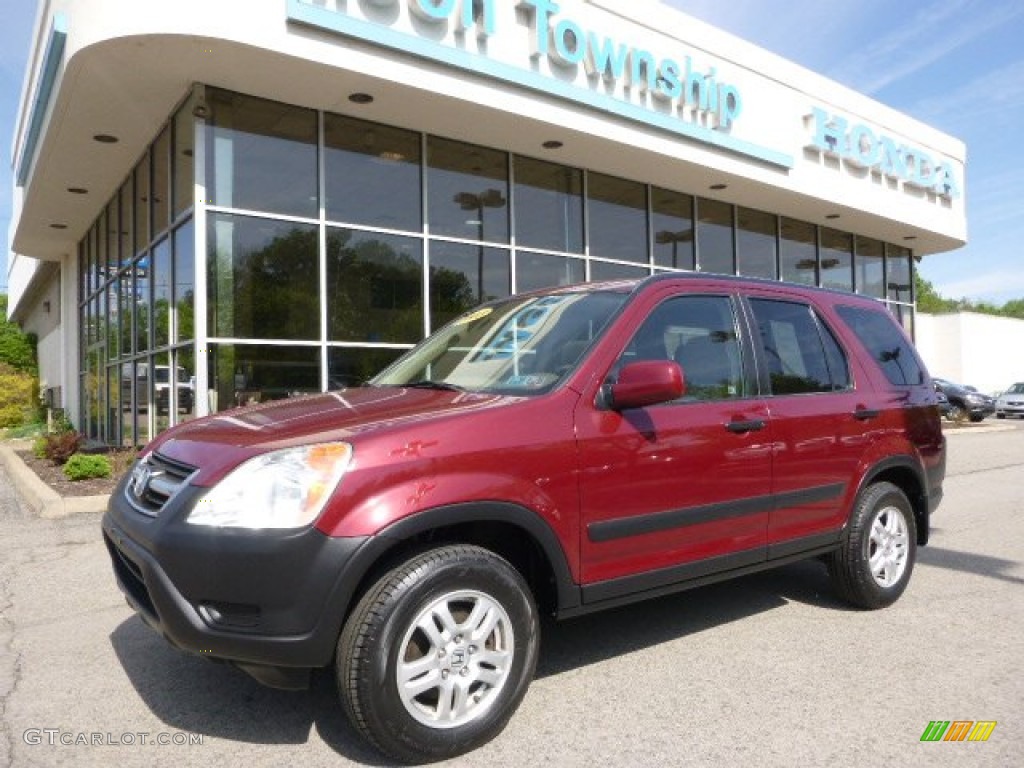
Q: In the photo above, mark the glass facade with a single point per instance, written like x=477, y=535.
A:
x=329, y=245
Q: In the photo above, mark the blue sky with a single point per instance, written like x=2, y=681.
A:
x=955, y=64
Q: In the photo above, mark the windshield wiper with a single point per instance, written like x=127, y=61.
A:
x=429, y=384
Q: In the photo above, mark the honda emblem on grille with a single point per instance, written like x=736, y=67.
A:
x=141, y=476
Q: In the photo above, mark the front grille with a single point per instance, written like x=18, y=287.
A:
x=154, y=481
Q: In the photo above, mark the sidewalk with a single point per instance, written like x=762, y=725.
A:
x=37, y=495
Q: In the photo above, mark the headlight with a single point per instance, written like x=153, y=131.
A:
x=976, y=398
x=281, y=489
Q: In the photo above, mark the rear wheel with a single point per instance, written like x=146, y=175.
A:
x=873, y=566
x=438, y=654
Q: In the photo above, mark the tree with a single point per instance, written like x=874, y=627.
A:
x=929, y=300
x=17, y=349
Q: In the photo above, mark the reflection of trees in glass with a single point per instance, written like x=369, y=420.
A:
x=187, y=316
x=375, y=292
x=275, y=288
x=451, y=292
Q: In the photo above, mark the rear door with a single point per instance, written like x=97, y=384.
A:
x=680, y=489
x=822, y=421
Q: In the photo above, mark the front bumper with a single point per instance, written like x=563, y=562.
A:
x=981, y=410
x=268, y=601
x=1010, y=409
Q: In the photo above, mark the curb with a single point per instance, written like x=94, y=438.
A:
x=982, y=428
x=41, y=498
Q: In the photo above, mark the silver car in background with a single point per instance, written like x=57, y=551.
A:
x=1011, y=402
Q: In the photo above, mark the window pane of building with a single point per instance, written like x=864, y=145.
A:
x=101, y=250
x=464, y=275
x=185, y=358
x=143, y=399
x=113, y=292
x=714, y=236
x=142, y=302
x=354, y=366
x=127, y=225
x=672, y=223
x=184, y=297
x=538, y=270
x=163, y=390
x=374, y=287
x=114, y=410
x=603, y=270
x=184, y=159
x=868, y=264
x=372, y=174
x=263, y=278
x=161, y=276
x=898, y=281
x=755, y=243
x=549, y=205
x=142, y=197
x=261, y=155
x=126, y=316
x=467, y=190
x=617, y=218
x=836, y=259
x=161, y=181
x=799, y=251
x=245, y=374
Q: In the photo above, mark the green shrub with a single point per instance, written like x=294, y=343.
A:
x=39, y=447
x=61, y=447
x=83, y=466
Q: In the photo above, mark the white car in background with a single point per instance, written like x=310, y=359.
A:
x=1011, y=402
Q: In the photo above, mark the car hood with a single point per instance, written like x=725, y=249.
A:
x=217, y=444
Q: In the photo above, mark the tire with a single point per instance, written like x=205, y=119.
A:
x=872, y=567
x=459, y=625
x=957, y=412
x=975, y=418
x=1000, y=415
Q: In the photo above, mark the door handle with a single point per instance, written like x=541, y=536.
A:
x=866, y=414
x=740, y=427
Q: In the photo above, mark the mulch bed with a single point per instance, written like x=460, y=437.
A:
x=54, y=477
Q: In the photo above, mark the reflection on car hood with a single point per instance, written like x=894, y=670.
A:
x=218, y=443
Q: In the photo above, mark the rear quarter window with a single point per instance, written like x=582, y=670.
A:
x=886, y=343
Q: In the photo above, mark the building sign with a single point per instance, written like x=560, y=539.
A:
x=668, y=89
x=860, y=146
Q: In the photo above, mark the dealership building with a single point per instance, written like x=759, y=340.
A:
x=224, y=203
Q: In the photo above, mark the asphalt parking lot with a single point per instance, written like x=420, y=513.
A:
x=770, y=669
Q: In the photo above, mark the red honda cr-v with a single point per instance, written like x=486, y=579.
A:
x=561, y=451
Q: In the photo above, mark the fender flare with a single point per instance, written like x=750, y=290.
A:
x=920, y=506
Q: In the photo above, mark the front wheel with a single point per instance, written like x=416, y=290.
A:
x=873, y=566
x=438, y=654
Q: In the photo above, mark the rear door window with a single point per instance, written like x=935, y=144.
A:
x=800, y=352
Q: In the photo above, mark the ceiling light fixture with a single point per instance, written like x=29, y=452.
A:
x=78, y=190
x=360, y=98
x=105, y=138
x=718, y=187
x=552, y=144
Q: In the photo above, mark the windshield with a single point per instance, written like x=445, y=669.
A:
x=521, y=346
x=1016, y=389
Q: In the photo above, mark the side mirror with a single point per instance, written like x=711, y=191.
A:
x=647, y=383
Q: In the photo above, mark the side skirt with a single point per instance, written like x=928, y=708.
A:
x=666, y=581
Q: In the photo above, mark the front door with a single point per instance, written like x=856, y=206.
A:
x=679, y=489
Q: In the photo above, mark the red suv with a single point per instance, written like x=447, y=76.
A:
x=559, y=452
